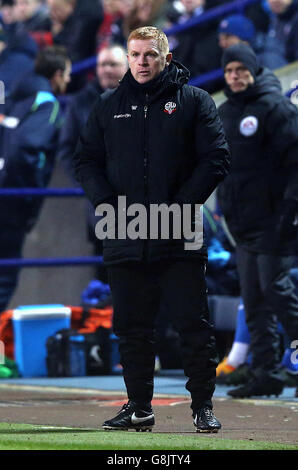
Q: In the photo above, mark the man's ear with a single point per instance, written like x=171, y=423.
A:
x=169, y=58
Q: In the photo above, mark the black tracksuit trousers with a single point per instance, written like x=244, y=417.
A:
x=268, y=295
x=138, y=289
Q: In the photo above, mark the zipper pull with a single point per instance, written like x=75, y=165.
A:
x=145, y=110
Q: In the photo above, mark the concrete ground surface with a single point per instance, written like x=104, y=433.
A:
x=85, y=402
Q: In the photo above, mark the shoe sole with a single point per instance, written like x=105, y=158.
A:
x=142, y=429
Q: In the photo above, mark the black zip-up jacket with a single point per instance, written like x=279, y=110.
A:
x=138, y=145
x=261, y=126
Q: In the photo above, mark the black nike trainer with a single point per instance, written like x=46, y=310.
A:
x=132, y=416
x=205, y=421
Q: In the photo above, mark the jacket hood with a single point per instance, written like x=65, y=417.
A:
x=168, y=81
x=28, y=86
x=179, y=74
x=266, y=82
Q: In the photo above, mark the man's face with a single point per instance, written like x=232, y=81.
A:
x=145, y=60
x=279, y=6
x=237, y=76
x=226, y=40
x=111, y=66
x=8, y=14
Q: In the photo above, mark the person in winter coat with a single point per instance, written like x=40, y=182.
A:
x=33, y=15
x=74, y=25
x=221, y=274
x=155, y=140
x=17, y=55
x=259, y=200
x=28, y=139
x=281, y=41
x=111, y=66
x=197, y=48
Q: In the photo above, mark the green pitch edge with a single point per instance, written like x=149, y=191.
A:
x=32, y=437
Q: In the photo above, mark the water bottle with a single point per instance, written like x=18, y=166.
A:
x=77, y=356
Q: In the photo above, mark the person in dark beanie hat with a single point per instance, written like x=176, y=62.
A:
x=241, y=53
x=259, y=199
x=234, y=29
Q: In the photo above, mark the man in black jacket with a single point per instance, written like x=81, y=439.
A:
x=155, y=140
x=259, y=199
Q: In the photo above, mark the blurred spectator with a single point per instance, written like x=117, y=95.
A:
x=74, y=25
x=7, y=11
x=197, y=48
x=221, y=274
x=174, y=11
x=17, y=53
x=239, y=355
x=15, y=15
x=234, y=29
x=111, y=66
x=147, y=12
x=137, y=13
x=281, y=42
x=32, y=14
x=28, y=140
x=259, y=13
x=111, y=14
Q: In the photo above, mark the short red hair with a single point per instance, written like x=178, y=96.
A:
x=150, y=32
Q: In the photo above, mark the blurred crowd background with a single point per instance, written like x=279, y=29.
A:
x=94, y=34
x=85, y=27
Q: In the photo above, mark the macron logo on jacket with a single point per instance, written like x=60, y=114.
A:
x=119, y=116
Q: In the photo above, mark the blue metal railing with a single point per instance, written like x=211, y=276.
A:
x=49, y=262
x=46, y=262
x=41, y=192
x=206, y=78
x=213, y=13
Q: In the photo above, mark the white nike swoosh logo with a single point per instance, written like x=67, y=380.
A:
x=136, y=420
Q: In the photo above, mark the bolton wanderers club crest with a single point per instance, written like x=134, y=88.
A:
x=170, y=107
x=249, y=126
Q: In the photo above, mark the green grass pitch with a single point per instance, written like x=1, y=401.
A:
x=37, y=437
